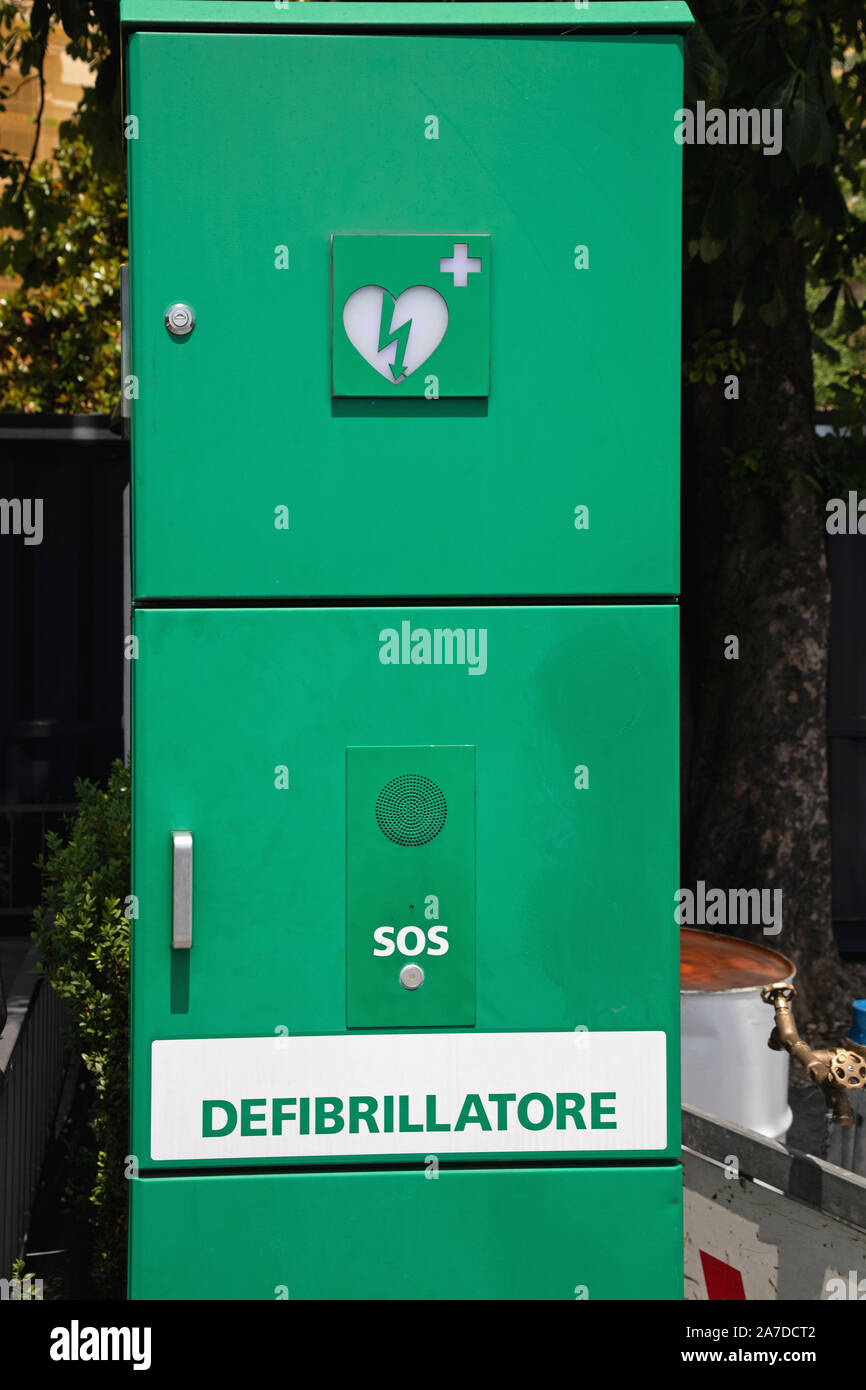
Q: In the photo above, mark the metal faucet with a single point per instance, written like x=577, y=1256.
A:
x=836, y=1073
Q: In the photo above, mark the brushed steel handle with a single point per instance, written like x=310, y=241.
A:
x=181, y=890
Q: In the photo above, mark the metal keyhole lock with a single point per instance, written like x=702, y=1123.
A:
x=179, y=320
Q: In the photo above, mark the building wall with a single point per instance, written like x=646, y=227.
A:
x=65, y=81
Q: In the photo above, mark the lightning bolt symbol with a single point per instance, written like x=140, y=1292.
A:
x=400, y=335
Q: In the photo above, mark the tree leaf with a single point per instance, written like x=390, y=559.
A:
x=806, y=130
x=706, y=72
x=773, y=311
x=822, y=348
x=73, y=16
x=720, y=218
x=711, y=250
x=852, y=315
x=822, y=317
x=40, y=17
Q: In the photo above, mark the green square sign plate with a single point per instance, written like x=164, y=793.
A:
x=410, y=887
x=410, y=315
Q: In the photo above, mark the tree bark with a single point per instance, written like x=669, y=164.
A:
x=755, y=799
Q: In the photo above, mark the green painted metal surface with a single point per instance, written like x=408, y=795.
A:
x=304, y=177
x=554, y=1233
x=431, y=307
x=251, y=152
x=563, y=17
x=575, y=887
x=410, y=869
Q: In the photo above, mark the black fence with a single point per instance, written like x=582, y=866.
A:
x=35, y=1060
x=61, y=631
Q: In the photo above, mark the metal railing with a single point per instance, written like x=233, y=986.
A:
x=34, y=1059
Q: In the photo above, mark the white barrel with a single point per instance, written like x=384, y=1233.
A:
x=727, y=1067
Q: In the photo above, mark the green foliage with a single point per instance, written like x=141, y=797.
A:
x=92, y=28
x=807, y=58
x=83, y=938
x=757, y=470
x=745, y=469
x=60, y=331
x=28, y=1287
x=839, y=352
x=838, y=463
x=65, y=223
x=713, y=356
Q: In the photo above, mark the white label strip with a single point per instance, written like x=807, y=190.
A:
x=376, y=1094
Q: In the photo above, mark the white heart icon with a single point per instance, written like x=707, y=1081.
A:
x=420, y=312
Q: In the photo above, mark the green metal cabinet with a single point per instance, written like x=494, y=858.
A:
x=520, y=1233
x=564, y=900
x=252, y=150
x=404, y=383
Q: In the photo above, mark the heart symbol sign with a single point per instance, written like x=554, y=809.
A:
x=395, y=335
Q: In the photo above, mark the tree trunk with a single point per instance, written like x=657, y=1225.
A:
x=755, y=803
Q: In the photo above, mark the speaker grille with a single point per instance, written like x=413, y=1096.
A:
x=411, y=809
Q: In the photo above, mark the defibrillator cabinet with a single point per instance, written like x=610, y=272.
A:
x=405, y=409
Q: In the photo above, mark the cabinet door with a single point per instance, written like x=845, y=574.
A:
x=523, y=1233
x=554, y=166
x=487, y=795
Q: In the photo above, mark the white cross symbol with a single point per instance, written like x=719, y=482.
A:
x=460, y=265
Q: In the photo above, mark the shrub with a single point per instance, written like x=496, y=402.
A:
x=83, y=937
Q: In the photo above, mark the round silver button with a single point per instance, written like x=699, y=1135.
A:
x=411, y=977
x=179, y=320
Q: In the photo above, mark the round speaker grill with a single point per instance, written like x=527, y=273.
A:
x=411, y=809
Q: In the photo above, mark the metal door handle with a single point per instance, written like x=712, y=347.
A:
x=181, y=890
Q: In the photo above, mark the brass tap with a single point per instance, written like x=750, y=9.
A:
x=836, y=1073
